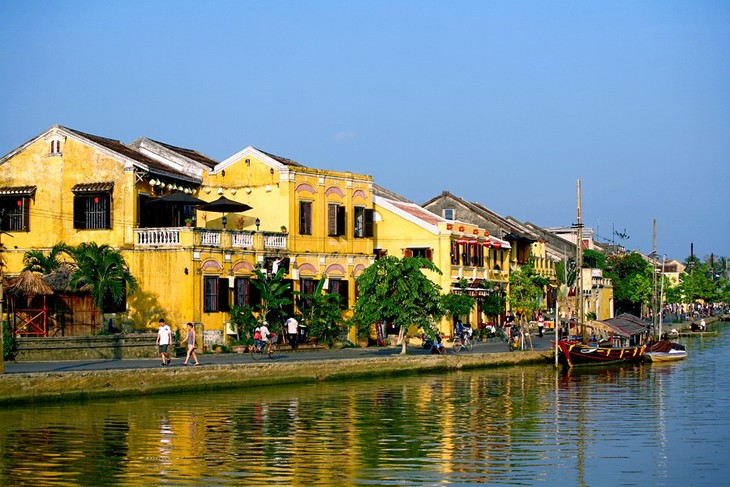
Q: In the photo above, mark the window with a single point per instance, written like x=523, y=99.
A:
x=476, y=255
x=424, y=252
x=454, y=252
x=14, y=214
x=380, y=253
x=449, y=214
x=339, y=287
x=305, y=218
x=215, y=296
x=242, y=291
x=335, y=220
x=93, y=205
x=92, y=211
x=307, y=286
x=363, y=220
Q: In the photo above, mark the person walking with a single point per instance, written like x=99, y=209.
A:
x=540, y=324
x=164, y=340
x=292, y=331
x=190, y=339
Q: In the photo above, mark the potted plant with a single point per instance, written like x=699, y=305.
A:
x=239, y=222
x=188, y=222
x=283, y=229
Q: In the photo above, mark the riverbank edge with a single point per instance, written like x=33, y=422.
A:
x=47, y=387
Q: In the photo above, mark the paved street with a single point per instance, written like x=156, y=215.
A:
x=236, y=358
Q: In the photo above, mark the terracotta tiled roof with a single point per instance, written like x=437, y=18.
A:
x=283, y=160
x=17, y=190
x=102, y=187
x=418, y=212
x=120, y=148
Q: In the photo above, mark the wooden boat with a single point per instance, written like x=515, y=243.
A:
x=581, y=355
x=665, y=351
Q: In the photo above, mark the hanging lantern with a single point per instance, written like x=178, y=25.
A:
x=462, y=241
x=449, y=226
x=487, y=243
x=486, y=233
x=476, y=231
x=461, y=228
x=473, y=241
x=497, y=245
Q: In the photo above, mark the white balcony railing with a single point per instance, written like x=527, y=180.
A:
x=274, y=240
x=157, y=236
x=210, y=239
x=242, y=240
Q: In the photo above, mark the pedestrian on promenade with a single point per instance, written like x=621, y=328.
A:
x=540, y=324
x=292, y=331
x=190, y=339
x=164, y=340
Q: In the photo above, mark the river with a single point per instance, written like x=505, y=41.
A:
x=657, y=425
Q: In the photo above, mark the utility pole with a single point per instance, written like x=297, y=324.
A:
x=2, y=315
x=579, y=268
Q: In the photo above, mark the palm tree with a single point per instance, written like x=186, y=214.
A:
x=102, y=271
x=37, y=261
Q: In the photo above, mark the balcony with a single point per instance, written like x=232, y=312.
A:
x=204, y=237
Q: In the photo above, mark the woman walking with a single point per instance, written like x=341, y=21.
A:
x=190, y=338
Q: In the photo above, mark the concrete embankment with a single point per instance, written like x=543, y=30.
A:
x=58, y=386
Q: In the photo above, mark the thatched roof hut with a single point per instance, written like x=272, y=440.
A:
x=30, y=283
x=58, y=280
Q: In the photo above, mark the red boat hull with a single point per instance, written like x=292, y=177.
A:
x=580, y=355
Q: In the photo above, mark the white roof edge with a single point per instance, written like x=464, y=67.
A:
x=386, y=203
x=252, y=152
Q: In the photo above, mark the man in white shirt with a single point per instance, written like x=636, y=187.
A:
x=164, y=340
x=292, y=331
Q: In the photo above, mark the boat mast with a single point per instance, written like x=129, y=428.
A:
x=579, y=267
x=653, y=276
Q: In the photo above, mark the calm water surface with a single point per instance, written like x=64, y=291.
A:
x=663, y=425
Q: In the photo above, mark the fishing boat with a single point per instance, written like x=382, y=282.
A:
x=574, y=354
x=665, y=351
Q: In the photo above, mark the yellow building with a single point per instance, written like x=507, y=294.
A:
x=72, y=187
x=465, y=253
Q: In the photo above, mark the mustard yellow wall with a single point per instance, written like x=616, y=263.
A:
x=51, y=210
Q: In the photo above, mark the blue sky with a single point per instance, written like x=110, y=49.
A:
x=507, y=103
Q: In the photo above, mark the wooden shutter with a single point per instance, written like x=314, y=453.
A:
x=223, y=294
x=332, y=213
x=369, y=218
x=305, y=218
x=408, y=253
x=341, y=218
x=429, y=254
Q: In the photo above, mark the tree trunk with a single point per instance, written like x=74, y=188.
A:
x=402, y=340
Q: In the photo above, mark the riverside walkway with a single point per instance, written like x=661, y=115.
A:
x=43, y=382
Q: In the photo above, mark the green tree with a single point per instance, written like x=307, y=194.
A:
x=631, y=276
x=321, y=313
x=102, y=271
x=37, y=261
x=525, y=293
x=457, y=304
x=492, y=305
x=592, y=259
x=275, y=295
x=396, y=291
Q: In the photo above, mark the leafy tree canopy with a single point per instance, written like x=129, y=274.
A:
x=397, y=291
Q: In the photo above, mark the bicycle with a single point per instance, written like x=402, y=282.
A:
x=271, y=349
x=463, y=344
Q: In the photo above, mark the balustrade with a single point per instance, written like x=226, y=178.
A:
x=157, y=236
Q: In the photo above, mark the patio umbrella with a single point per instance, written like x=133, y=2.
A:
x=178, y=198
x=224, y=205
